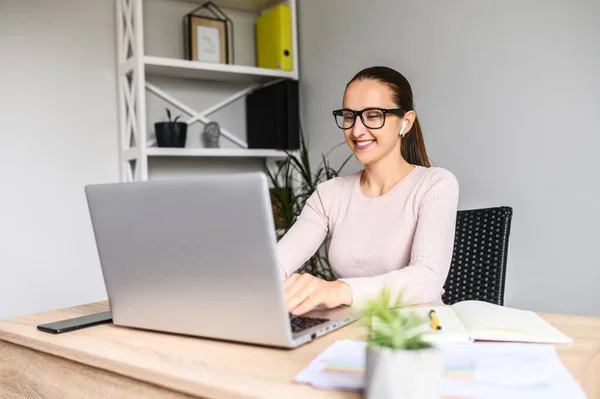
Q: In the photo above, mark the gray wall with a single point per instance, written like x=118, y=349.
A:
x=508, y=94
x=58, y=133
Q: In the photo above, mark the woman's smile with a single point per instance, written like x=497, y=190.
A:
x=363, y=144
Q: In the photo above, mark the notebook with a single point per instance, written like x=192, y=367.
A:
x=471, y=320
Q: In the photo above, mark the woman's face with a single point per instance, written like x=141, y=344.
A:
x=369, y=143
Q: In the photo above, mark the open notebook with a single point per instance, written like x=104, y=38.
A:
x=467, y=321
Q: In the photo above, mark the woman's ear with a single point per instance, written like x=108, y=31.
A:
x=410, y=117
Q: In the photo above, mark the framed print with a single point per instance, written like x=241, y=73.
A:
x=208, y=38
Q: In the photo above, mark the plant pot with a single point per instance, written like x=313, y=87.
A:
x=406, y=374
x=281, y=200
x=170, y=134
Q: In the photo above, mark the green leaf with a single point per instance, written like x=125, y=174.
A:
x=296, y=172
x=390, y=324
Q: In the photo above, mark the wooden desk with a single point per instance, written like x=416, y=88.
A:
x=108, y=361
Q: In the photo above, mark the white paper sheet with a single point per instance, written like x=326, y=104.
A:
x=351, y=353
x=475, y=370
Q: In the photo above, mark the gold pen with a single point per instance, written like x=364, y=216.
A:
x=434, y=320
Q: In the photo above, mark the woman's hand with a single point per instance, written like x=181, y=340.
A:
x=303, y=292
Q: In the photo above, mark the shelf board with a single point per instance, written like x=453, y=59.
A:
x=249, y=5
x=175, y=68
x=214, y=152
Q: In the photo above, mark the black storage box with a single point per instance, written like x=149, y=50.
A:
x=272, y=117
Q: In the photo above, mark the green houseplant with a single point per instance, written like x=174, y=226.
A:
x=401, y=363
x=294, y=181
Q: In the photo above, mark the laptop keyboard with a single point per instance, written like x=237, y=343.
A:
x=301, y=323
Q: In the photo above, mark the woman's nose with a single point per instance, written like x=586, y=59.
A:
x=359, y=128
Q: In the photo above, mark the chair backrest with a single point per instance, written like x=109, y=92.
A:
x=478, y=269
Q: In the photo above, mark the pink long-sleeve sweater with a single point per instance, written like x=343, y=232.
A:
x=403, y=239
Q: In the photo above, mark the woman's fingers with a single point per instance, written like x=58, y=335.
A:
x=299, y=291
x=296, y=285
x=296, y=300
x=307, y=305
x=290, y=281
x=298, y=297
x=304, y=292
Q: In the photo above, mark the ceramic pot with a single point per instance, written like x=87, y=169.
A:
x=406, y=374
x=171, y=134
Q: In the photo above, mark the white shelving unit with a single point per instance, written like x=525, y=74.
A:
x=160, y=66
x=134, y=66
x=214, y=152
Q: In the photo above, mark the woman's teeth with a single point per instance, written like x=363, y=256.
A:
x=363, y=144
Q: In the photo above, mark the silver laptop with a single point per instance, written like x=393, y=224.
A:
x=199, y=257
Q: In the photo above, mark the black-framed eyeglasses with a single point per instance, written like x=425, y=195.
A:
x=372, y=118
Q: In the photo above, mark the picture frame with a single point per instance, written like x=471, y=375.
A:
x=208, y=38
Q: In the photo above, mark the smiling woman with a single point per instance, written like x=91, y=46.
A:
x=390, y=97
x=392, y=223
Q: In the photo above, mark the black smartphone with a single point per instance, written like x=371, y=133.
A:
x=76, y=323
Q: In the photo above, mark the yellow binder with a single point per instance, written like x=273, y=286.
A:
x=274, y=39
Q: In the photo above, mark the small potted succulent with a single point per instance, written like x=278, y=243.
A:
x=171, y=133
x=399, y=362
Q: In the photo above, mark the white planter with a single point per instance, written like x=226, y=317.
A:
x=406, y=374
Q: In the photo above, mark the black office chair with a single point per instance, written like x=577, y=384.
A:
x=478, y=268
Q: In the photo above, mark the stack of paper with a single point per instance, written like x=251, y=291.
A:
x=480, y=370
x=340, y=366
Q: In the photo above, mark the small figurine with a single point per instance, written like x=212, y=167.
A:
x=211, y=135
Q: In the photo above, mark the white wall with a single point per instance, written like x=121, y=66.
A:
x=58, y=109
x=508, y=94
x=58, y=133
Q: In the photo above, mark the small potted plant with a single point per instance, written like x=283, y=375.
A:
x=171, y=133
x=399, y=362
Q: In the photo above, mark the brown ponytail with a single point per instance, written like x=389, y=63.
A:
x=413, y=145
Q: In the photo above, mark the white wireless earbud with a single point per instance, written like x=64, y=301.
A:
x=403, y=127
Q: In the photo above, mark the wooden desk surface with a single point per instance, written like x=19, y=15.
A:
x=110, y=361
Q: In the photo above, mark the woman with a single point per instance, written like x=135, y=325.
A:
x=392, y=223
